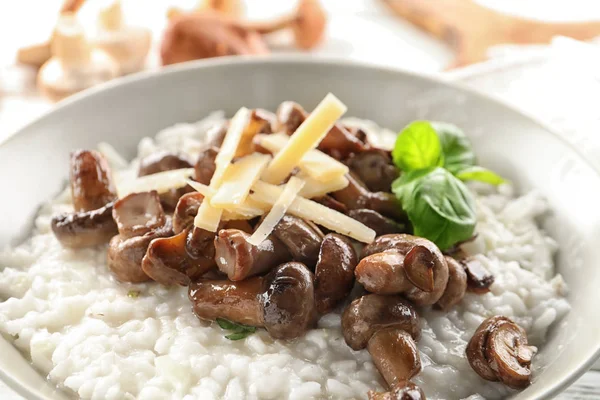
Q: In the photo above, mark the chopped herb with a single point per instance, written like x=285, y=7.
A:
x=16, y=336
x=239, y=331
x=134, y=294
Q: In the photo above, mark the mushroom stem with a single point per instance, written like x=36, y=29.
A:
x=383, y=273
x=240, y=259
x=302, y=239
x=395, y=355
x=456, y=287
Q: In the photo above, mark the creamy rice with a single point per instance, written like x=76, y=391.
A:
x=94, y=336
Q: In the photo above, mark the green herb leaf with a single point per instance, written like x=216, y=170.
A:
x=239, y=335
x=417, y=147
x=439, y=206
x=456, y=146
x=239, y=331
x=134, y=294
x=480, y=174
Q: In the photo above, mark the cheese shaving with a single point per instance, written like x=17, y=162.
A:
x=161, y=182
x=280, y=207
x=315, y=212
x=314, y=163
x=306, y=138
x=238, y=179
x=314, y=188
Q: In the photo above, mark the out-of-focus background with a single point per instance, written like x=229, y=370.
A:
x=557, y=81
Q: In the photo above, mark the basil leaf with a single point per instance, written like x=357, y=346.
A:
x=227, y=324
x=480, y=174
x=417, y=147
x=239, y=335
x=456, y=146
x=439, y=206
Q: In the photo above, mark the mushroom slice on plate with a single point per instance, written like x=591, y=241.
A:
x=479, y=279
x=86, y=228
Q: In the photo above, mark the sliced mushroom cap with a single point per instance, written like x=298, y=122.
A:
x=402, y=390
x=240, y=259
x=302, y=239
x=383, y=273
x=205, y=166
x=357, y=196
x=91, y=181
x=186, y=210
x=375, y=168
x=125, y=255
x=289, y=301
x=235, y=301
x=509, y=355
x=456, y=287
x=290, y=115
x=334, y=273
x=395, y=354
x=172, y=260
x=372, y=312
x=138, y=213
x=479, y=279
x=86, y=228
x=163, y=161
x=380, y=224
x=499, y=351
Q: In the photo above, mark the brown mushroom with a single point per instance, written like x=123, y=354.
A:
x=499, y=350
x=372, y=312
x=332, y=203
x=380, y=224
x=456, y=287
x=357, y=196
x=260, y=122
x=140, y=219
x=180, y=259
x=479, y=278
x=334, y=273
x=374, y=167
x=205, y=166
x=166, y=161
x=290, y=115
x=395, y=354
x=282, y=301
x=302, y=239
x=402, y=390
x=240, y=259
x=91, y=181
x=86, y=228
x=423, y=265
x=186, y=210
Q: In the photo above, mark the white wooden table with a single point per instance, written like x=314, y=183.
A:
x=358, y=29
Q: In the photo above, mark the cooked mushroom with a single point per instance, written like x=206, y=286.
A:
x=205, y=166
x=140, y=219
x=339, y=142
x=186, y=210
x=402, y=390
x=91, y=181
x=395, y=354
x=456, y=287
x=375, y=168
x=479, y=279
x=499, y=350
x=86, y=228
x=332, y=203
x=412, y=259
x=334, y=273
x=302, y=239
x=240, y=259
x=166, y=161
x=357, y=196
x=282, y=301
x=180, y=259
x=260, y=122
x=380, y=224
x=372, y=312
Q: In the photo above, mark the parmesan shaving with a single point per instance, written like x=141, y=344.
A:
x=288, y=195
x=208, y=217
x=306, y=138
x=161, y=182
x=238, y=179
x=315, y=212
x=315, y=163
x=314, y=188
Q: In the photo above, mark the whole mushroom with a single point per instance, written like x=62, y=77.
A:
x=499, y=351
x=302, y=239
x=456, y=287
x=166, y=161
x=282, y=301
x=375, y=168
